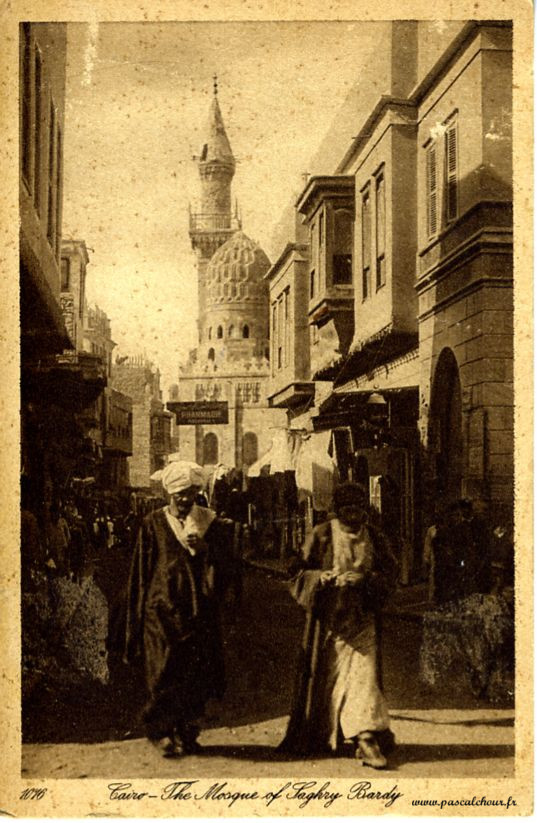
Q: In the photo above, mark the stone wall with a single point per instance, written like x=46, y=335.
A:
x=140, y=461
x=478, y=328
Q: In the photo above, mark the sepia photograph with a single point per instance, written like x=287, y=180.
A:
x=266, y=457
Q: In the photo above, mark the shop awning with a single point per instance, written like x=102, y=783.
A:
x=363, y=407
x=308, y=455
x=280, y=457
x=380, y=348
x=316, y=470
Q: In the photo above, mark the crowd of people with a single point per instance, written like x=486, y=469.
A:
x=465, y=553
x=69, y=536
x=468, y=628
x=183, y=565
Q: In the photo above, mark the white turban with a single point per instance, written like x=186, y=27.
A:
x=180, y=475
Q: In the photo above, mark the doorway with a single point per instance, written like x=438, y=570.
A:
x=446, y=421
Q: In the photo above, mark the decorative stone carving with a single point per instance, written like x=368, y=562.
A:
x=210, y=390
x=249, y=393
x=236, y=272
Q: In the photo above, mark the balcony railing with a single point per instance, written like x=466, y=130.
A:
x=213, y=222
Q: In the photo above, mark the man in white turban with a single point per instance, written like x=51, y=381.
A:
x=179, y=573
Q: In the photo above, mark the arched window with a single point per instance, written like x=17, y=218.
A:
x=210, y=354
x=231, y=331
x=246, y=331
x=249, y=448
x=210, y=333
x=210, y=449
x=219, y=332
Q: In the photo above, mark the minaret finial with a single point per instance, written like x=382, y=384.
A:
x=215, y=84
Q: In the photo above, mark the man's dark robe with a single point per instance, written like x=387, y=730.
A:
x=173, y=619
x=317, y=555
x=462, y=560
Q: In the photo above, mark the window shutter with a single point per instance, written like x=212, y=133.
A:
x=381, y=216
x=366, y=245
x=431, y=183
x=366, y=232
x=451, y=171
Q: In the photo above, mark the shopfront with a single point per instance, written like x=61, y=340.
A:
x=374, y=442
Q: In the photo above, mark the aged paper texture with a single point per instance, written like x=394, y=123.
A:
x=266, y=251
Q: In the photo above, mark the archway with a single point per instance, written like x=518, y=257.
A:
x=446, y=426
x=210, y=449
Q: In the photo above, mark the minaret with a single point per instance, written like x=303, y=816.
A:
x=215, y=222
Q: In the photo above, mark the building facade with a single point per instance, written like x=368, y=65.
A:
x=231, y=361
x=56, y=384
x=138, y=379
x=42, y=48
x=465, y=268
x=107, y=420
x=406, y=261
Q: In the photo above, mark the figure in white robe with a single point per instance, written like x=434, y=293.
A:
x=345, y=572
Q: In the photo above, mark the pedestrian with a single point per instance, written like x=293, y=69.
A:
x=129, y=529
x=237, y=510
x=461, y=547
x=177, y=583
x=237, y=502
x=345, y=573
x=78, y=543
x=447, y=550
x=429, y=554
x=477, y=537
x=110, y=534
x=57, y=538
x=100, y=531
x=32, y=551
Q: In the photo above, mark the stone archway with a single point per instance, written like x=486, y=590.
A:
x=446, y=426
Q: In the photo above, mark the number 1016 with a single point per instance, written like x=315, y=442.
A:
x=33, y=794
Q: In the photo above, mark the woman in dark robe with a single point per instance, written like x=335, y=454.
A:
x=345, y=572
x=178, y=576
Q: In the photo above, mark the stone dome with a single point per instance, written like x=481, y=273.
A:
x=235, y=272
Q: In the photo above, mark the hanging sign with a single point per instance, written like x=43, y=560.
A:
x=202, y=412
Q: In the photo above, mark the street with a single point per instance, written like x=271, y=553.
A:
x=440, y=733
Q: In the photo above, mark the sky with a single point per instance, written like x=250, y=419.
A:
x=137, y=101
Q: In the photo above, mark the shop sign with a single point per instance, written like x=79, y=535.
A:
x=200, y=413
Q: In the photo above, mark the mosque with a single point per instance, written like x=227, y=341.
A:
x=231, y=361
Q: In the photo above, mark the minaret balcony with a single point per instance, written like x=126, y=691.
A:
x=213, y=222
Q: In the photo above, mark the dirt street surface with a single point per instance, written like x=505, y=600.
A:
x=98, y=735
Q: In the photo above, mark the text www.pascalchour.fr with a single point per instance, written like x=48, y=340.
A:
x=475, y=801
